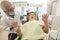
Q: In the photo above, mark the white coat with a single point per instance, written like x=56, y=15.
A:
x=6, y=21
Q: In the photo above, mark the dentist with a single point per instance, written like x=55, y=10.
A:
x=10, y=18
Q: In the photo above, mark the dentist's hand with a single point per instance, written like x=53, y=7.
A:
x=15, y=26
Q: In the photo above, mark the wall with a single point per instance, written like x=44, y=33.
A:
x=52, y=6
x=58, y=8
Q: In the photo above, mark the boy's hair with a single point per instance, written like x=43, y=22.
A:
x=30, y=13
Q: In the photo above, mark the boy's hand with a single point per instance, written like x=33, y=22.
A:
x=45, y=18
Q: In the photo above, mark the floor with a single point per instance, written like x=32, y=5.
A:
x=3, y=35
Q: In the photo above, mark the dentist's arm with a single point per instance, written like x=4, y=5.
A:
x=45, y=20
x=4, y=24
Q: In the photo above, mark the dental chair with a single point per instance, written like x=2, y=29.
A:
x=54, y=32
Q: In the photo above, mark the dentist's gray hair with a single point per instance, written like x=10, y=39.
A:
x=5, y=4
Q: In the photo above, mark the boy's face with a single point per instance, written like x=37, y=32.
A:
x=31, y=16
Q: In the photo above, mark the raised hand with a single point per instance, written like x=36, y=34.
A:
x=45, y=18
